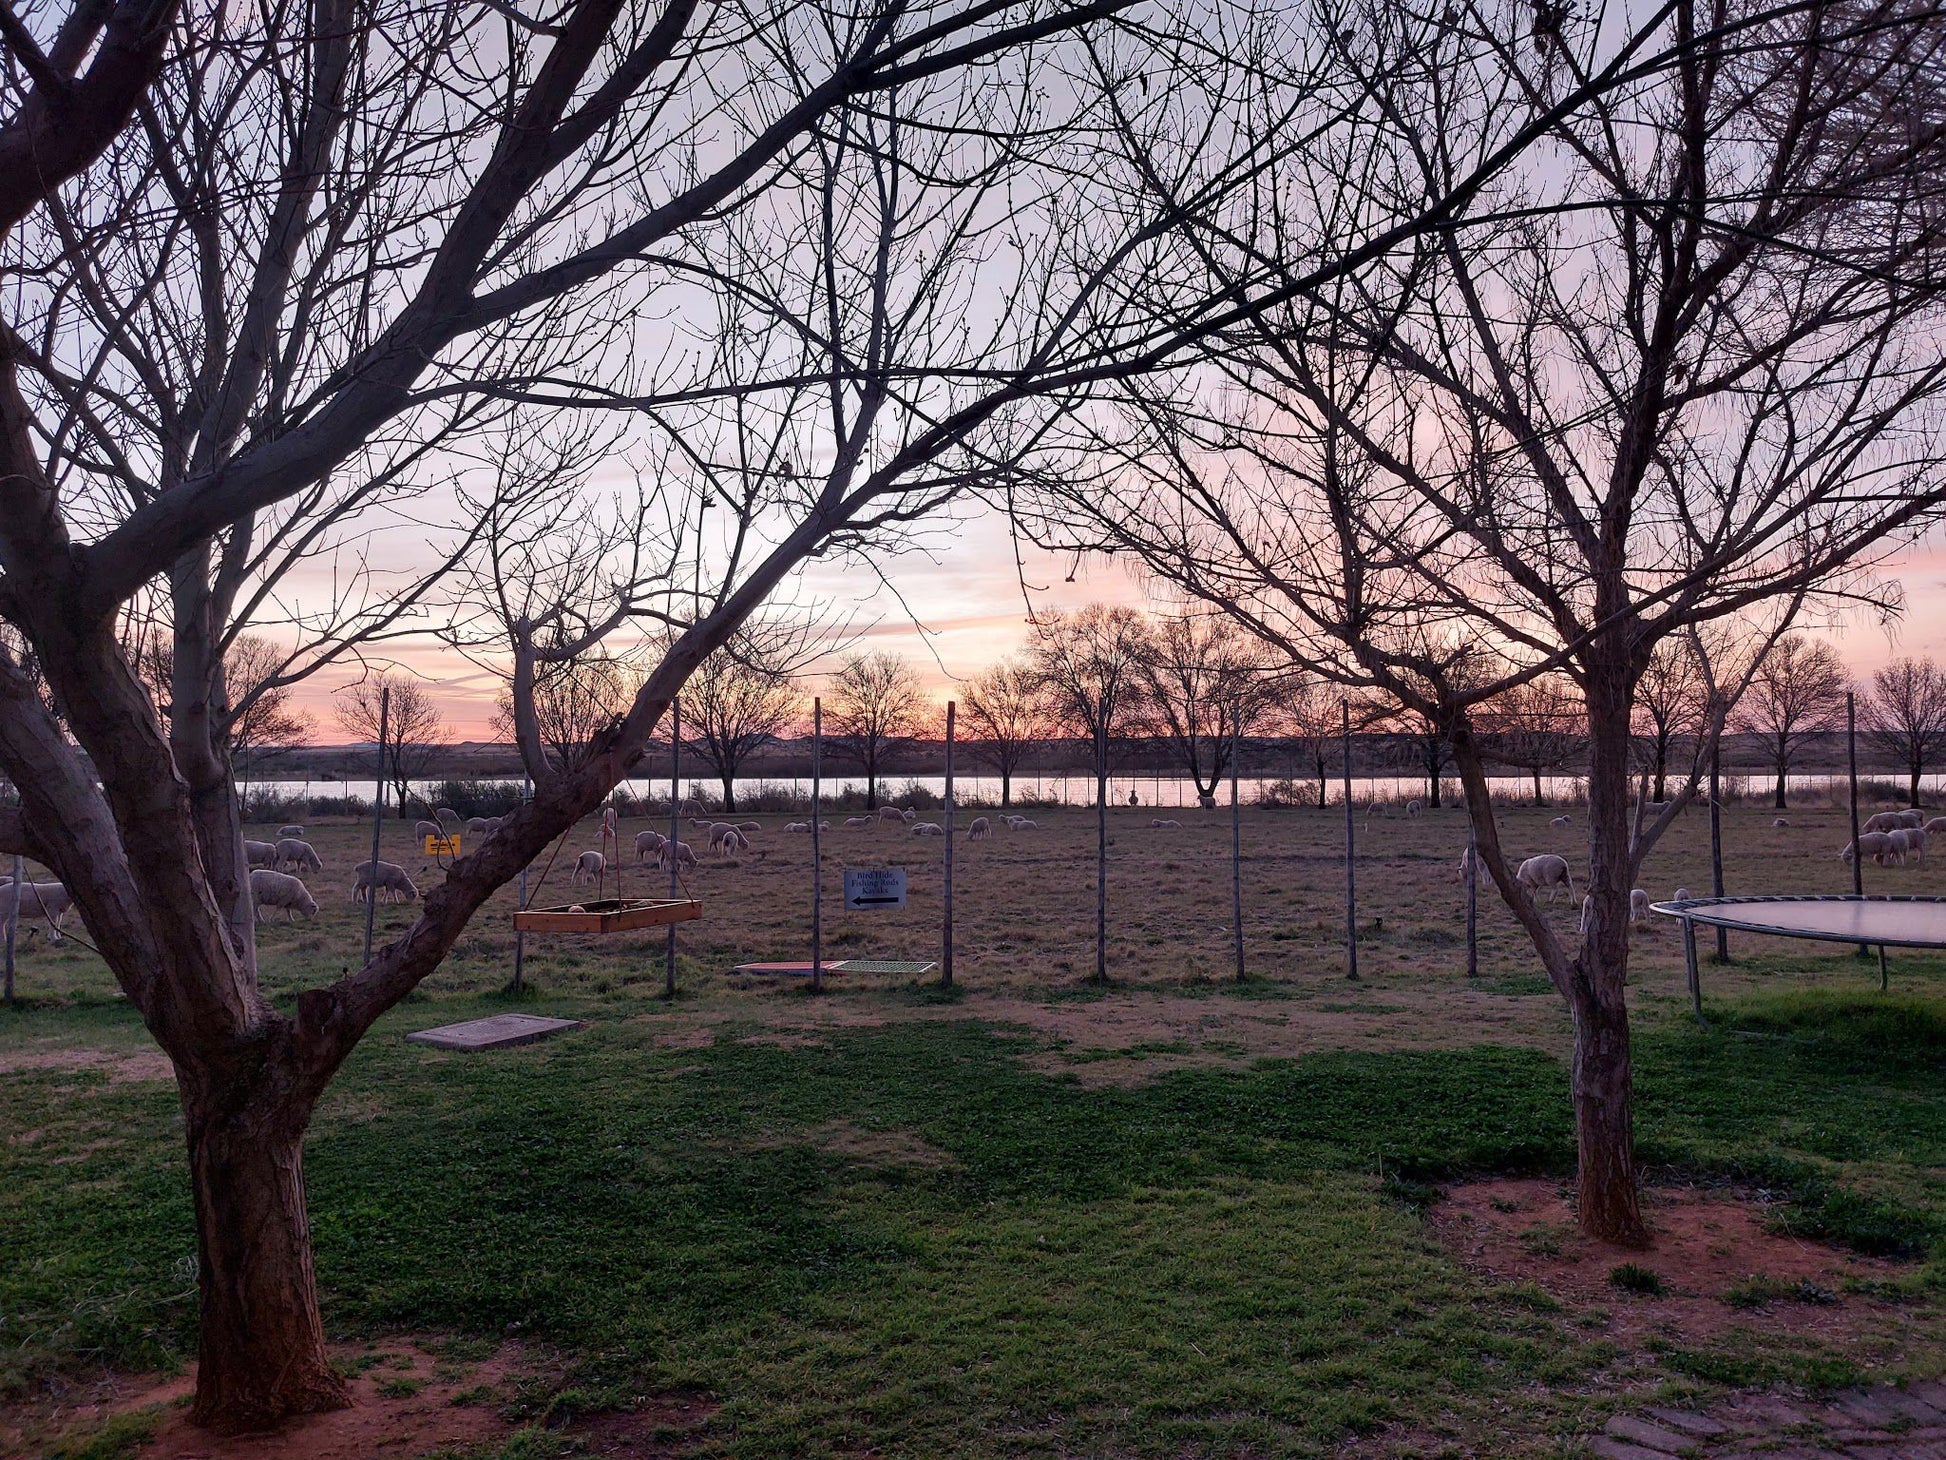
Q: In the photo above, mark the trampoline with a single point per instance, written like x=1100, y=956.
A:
x=1875, y=920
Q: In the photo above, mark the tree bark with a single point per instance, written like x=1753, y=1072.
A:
x=729, y=792
x=262, y=1356
x=1661, y=768
x=1006, y=789
x=1781, y=776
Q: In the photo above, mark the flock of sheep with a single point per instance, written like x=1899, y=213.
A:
x=1892, y=838
x=274, y=866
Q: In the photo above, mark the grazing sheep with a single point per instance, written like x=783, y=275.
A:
x=1878, y=845
x=1412, y=808
x=260, y=854
x=689, y=809
x=1545, y=871
x=1935, y=826
x=791, y=826
x=274, y=889
x=908, y=816
x=1914, y=818
x=494, y=824
x=977, y=828
x=1161, y=823
x=730, y=842
x=1638, y=905
x=284, y=831
x=589, y=867
x=48, y=901
x=928, y=828
x=1683, y=894
x=445, y=816
x=1884, y=821
x=746, y=827
x=298, y=855
x=1021, y=823
x=854, y=822
x=1911, y=842
x=1562, y=820
x=389, y=879
x=701, y=823
x=648, y=843
x=478, y=826
x=889, y=813
x=423, y=829
x=675, y=854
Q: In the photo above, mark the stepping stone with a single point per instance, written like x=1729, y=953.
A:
x=499, y=1032
x=1641, y=1432
x=1610, y=1449
x=1689, y=1424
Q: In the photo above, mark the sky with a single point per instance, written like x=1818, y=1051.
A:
x=955, y=604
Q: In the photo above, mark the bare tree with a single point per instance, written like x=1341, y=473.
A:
x=1535, y=726
x=1559, y=429
x=872, y=712
x=415, y=732
x=1006, y=715
x=1671, y=700
x=1310, y=715
x=1796, y=695
x=1905, y=717
x=736, y=703
x=1195, y=675
x=574, y=701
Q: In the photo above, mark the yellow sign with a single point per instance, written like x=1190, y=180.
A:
x=442, y=846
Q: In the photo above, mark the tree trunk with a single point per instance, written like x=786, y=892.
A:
x=1781, y=777
x=1661, y=768
x=729, y=791
x=1006, y=789
x=1916, y=772
x=262, y=1357
x=1539, y=799
x=1604, y=1116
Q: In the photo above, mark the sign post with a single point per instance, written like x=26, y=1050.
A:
x=874, y=889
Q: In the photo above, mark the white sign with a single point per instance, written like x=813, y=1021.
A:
x=870, y=889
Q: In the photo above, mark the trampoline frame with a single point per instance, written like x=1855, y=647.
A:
x=1694, y=910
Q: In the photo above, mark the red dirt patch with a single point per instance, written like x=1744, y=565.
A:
x=664, y=1427
x=1708, y=1247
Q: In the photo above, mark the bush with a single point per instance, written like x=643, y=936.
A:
x=266, y=804
x=1286, y=794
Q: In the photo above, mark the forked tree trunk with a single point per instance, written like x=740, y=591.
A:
x=1781, y=777
x=261, y=1357
x=1661, y=768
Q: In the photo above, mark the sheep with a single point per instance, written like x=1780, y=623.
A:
x=423, y=829
x=1683, y=894
x=1562, y=820
x=48, y=901
x=1638, y=905
x=389, y=878
x=1161, y=823
x=647, y=843
x=1884, y=821
x=908, y=816
x=445, y=816
x=1914, y=818
x=1911, y=842
x=890, y=813
x=689, y=809
x=852, y=823
x=260, y=854
x=1021, y=823
x=478, y=826
x=284, y=831
x=791, y=826
x=977, y=828
x=1412, y=808
x=730, y=842
x=299, y=854
x=275, y=889
x=589, y=867
x=928, y=828
x=1545, y=871
x=1877, y=845
x=675, y=854
x=1935, y=826
x=746, y=827
x=1466, y=863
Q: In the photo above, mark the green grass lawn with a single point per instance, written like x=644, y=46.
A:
x=906, y=1238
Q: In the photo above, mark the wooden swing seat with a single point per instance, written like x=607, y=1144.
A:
x=607, y=915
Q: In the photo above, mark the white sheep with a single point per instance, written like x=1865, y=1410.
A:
x=689, y=809
x=730, y=842
x=746, y=827
x=889, y=813
x=1884, y=821
x=1934, y=826
x=1562, y=820
x=1466, y=863
x=445, y=816
x=589, y=867
x=478, y=826
x=1911, y=842
x=1545, y=871
x=928, y=828
x=1914, y=818
x=423, y=829
x=275, y=889
x=389, y=879
x=648, y=843
x=852, y=823
x=1878, y=845
x=1683, y=894
x=1638, y=905
x=1021, y=823
x=284, y=831
x=977, y=828
x=791, y=826
x=48, y=901
x=676, y=854
x=1412, y=808
x=908, y=816
x=298, y=855
x=260, y=854
x=1781, y=821
x=1163, y=823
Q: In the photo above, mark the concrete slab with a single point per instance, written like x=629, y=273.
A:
x=498, y=1032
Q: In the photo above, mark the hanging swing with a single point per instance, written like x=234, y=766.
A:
x=600, y=914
